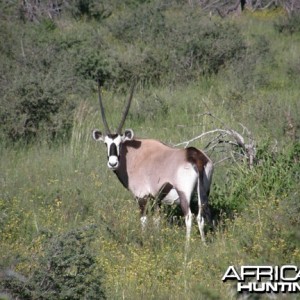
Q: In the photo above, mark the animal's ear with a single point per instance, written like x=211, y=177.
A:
x=128, y=135
x=97, y=135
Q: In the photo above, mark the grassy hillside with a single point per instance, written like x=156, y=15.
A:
x=68, y=229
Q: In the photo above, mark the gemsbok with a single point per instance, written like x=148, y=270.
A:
x=151, y=169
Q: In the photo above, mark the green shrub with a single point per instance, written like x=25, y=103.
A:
x=247, y=72
x=198, y=45
x=176, y=47
x=90, y=9
x=288, y=25
x=93, y=65
x=37, y=11
x=152, y=107
x=68, y=270
x=34, y=101
x=145, y=22
x=274, y=175
x=293, y=69
x=49, y=66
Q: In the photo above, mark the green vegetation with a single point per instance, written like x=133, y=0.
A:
x=68, y=229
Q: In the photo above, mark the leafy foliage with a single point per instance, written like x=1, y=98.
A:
x=47, y=68
x=276, y=172
x=183, y=47
x=67, y=270
x=288, y=25
x=35, y=104
x=92, y=9
x=247, y=72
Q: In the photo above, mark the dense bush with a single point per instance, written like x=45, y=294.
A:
x=248, y=72
x=178, y=47
x=288, y=25
x=35, y=81
x=91, y=9
x=275, y=174
x=67, y=270
x=151, y=108
x=47, y=66
x=199, y=46
x=37, y=11
x=293, y=69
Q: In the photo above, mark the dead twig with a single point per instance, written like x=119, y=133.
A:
x=242, y=145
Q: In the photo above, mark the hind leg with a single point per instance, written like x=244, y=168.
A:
x=203, y=208
x=185, y=207
x=201, y=223
x=187, y=179
x=205, y=186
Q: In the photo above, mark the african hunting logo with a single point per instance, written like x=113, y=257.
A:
x=265, y=279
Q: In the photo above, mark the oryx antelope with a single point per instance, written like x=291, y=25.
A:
x=151, y=169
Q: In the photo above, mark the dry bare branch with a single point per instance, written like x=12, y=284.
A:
x=225, y=8
x=241, y=145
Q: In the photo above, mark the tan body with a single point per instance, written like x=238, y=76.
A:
x=145, y=165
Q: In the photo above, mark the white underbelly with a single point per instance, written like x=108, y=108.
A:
x=171, y=198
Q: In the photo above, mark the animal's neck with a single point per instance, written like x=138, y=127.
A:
x=123, y=177
x=121, y=172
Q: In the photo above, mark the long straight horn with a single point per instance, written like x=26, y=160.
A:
x=102, y=109
x=126, y=110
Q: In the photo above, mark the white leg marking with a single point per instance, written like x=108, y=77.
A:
x=188, y=224
x=143, y=222
x=200, y=218
x=171, y=198
x=200, y=221
x=186, y=180
x=203, y=189
x=156, y=221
